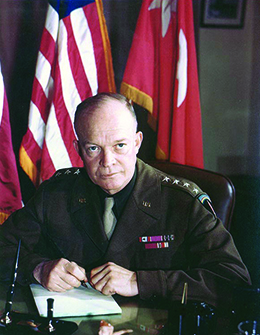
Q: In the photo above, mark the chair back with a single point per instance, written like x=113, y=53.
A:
x=219, y=187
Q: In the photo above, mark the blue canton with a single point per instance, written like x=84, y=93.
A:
x=65, y=7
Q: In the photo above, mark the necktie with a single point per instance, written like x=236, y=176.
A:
x=109, y=218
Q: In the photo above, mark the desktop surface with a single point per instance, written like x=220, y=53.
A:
x=140, y=316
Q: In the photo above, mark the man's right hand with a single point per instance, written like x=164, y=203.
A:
x=59, y=275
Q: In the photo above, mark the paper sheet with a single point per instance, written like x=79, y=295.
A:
x=79, y=301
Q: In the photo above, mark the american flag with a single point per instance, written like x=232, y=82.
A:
x=161, y=75
x=10, y=193
x=74, y=62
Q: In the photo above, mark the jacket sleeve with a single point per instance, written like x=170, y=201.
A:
x=24, y=224
x=214, y=264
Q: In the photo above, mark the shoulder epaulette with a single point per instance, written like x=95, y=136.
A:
x=183, y=184
x=67, y=172
x=189, y=187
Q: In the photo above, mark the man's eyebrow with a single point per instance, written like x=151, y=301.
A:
x=121, y=140
x=88, y=142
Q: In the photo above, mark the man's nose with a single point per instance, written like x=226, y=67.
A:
x=107, y=158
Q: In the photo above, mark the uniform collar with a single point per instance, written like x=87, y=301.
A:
x=120, y=198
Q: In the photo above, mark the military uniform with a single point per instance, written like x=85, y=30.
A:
x=165, y=234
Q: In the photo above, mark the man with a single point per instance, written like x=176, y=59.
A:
x=161, y=235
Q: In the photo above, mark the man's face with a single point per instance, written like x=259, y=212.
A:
x=108, y=145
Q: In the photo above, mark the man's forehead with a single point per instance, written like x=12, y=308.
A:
x=109, y=117
x=108, y=135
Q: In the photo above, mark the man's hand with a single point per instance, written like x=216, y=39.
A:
x=59, y=275
x=111, y=278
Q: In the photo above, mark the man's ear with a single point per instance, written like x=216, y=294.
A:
x=77, y=147
x=138, y=140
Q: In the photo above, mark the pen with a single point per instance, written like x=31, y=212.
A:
x=83, y=283
x=184, y=294
x=9, y=299
x=183, y=303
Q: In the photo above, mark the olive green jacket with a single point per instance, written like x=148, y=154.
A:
x=164, y=234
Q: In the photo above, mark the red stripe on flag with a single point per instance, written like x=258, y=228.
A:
x=47, y=167
x=47, y=47
x=77, y=67
x=62, y=115
x=32, y=148
x=40, y=100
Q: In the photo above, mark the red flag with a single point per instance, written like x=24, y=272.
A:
x=74, y=62
x=10, y=193
x=161, y=75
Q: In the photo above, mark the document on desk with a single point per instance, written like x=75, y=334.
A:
x=79, y=301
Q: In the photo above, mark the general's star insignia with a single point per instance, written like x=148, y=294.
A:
x=167, y=179
x=77, y=172
x=176, y=181
x=186, y=184
x=196, y=190
x=67, y=172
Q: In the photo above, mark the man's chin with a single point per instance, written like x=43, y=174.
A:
x=111, y=188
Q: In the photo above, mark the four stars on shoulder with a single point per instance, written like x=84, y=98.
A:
x=185, y=184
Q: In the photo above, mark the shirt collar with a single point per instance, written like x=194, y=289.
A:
x=120, y=198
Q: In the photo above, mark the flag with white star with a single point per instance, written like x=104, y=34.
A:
x=161, y=76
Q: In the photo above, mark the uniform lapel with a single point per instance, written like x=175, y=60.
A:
x=142, y=210
x=85, y=211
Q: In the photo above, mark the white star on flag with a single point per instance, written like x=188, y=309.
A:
x=168, y=6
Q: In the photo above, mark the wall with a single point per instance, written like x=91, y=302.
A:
x=229, y=71
x=226, y=76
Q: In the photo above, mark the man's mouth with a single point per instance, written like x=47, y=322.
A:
x=108, y=175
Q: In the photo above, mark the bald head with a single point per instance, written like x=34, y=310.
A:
x=98, y=102
x=108, y=141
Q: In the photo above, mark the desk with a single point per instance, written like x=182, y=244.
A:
x=134, y=315
x=142, y=317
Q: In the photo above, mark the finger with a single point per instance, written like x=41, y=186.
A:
x=100, y=268
x=74, y=275
x=60, y=277
x=76, y=271
x=100, y=272
x=106, y=285
x=70, y=280
x=85, y=279
x=125, y=331
x=57, y=285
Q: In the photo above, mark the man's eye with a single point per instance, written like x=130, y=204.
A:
x=121, y=145
x=92, y=149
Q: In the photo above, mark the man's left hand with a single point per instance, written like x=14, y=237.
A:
x=111, y=278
